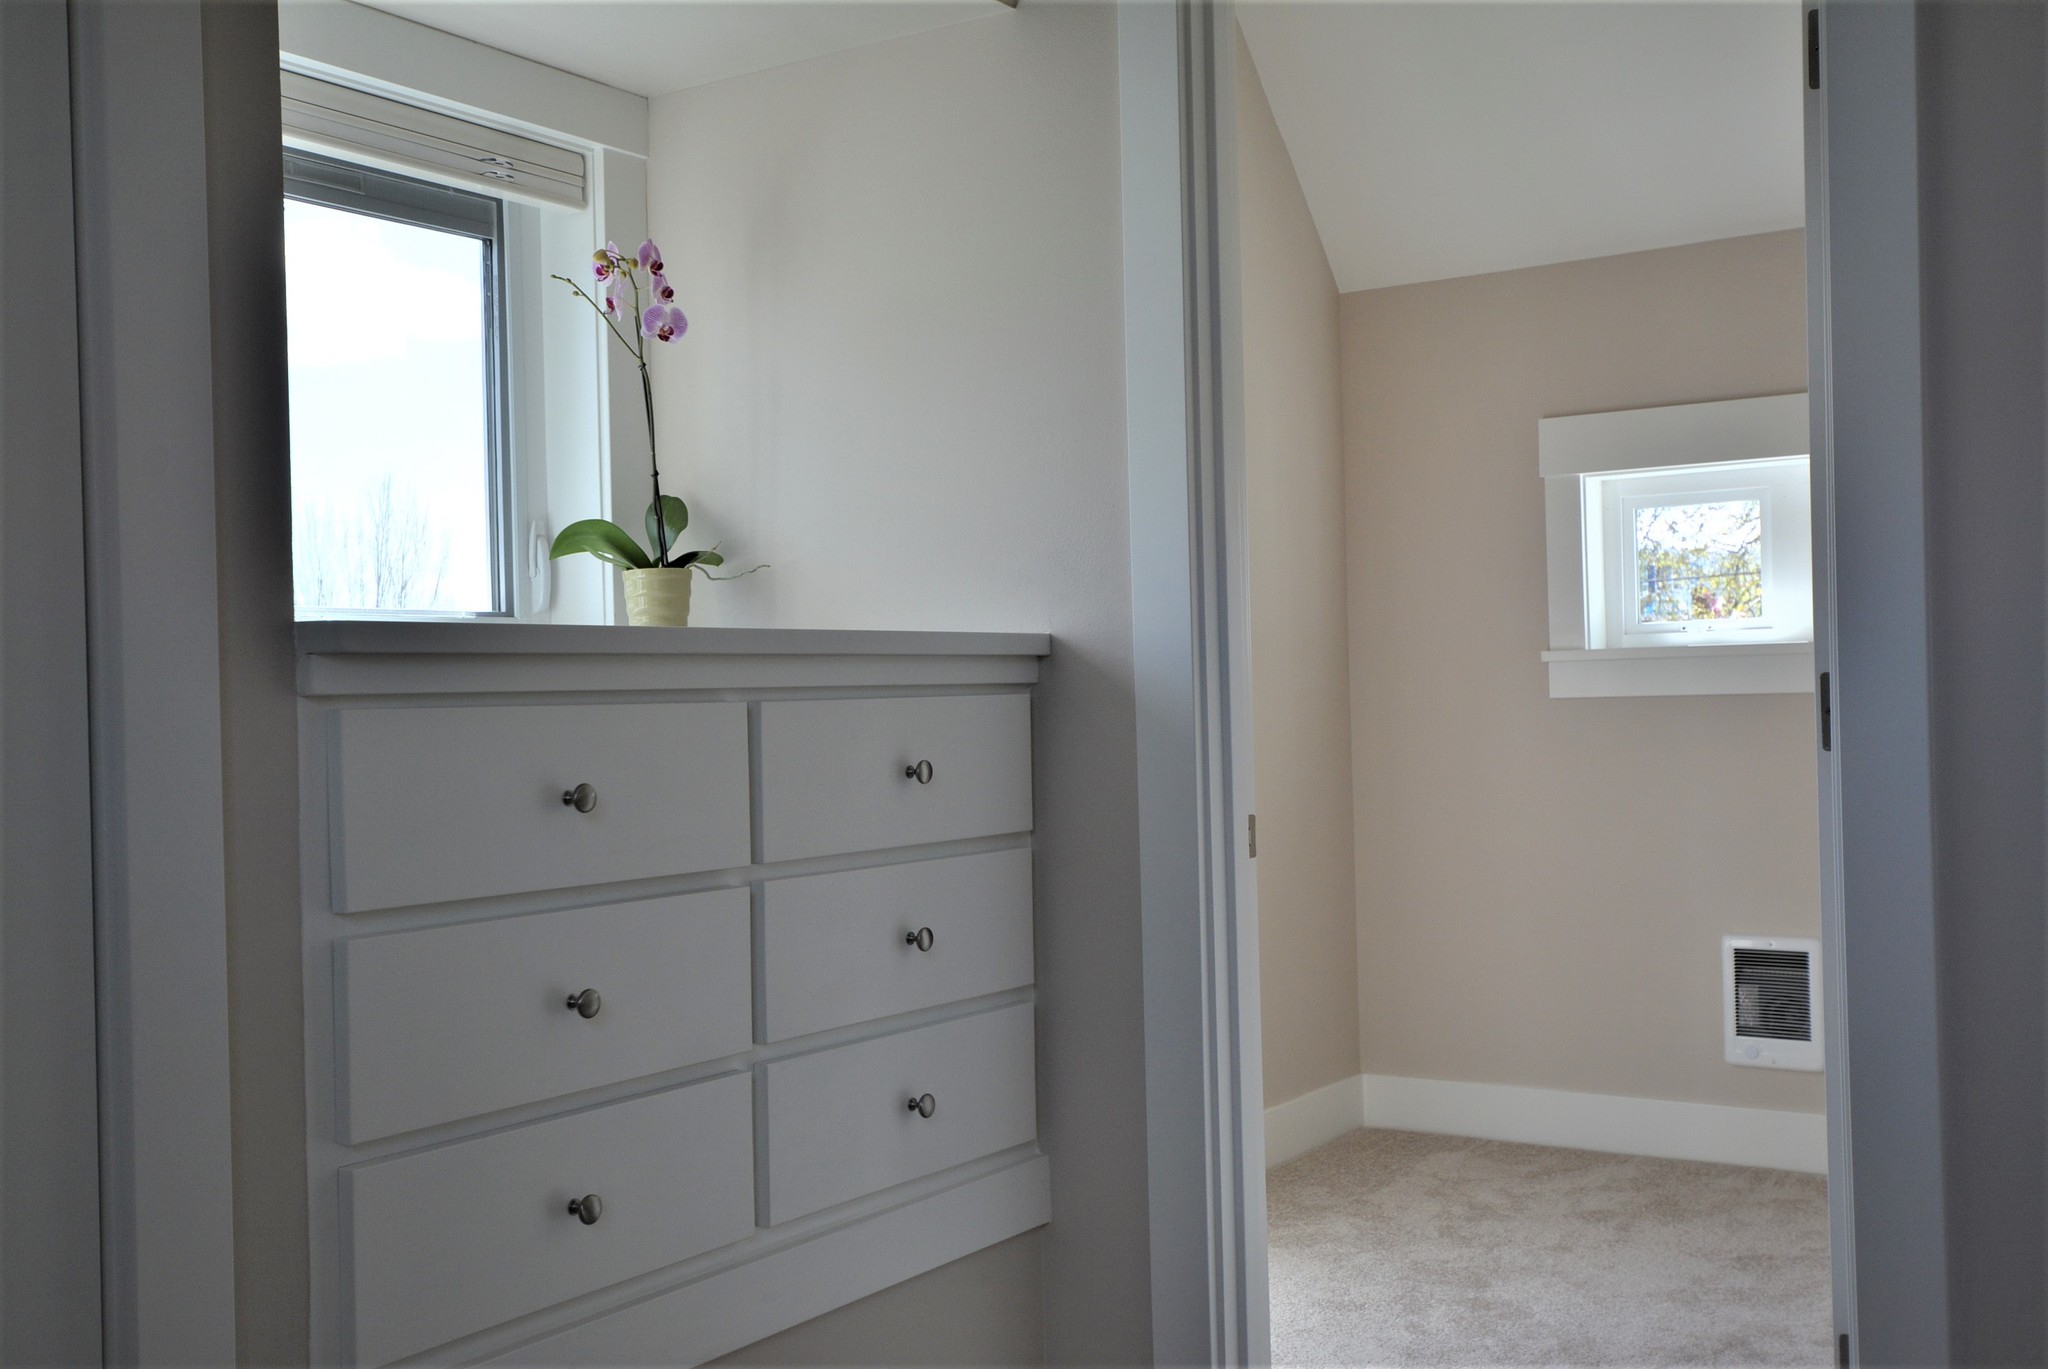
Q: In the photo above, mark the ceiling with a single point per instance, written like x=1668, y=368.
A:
x=652, y=47
x=1445, y=138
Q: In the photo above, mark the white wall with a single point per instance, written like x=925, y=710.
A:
x=902, y=387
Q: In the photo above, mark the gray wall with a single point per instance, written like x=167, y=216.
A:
x=1982, y=199
x=49, y=1250
x=983, y=1310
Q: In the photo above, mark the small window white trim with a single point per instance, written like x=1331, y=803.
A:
x=1594, y=466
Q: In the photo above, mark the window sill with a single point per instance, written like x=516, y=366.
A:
x=1630, y=672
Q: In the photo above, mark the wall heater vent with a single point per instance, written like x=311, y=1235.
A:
x=1770, y=1001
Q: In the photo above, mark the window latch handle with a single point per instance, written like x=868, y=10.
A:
x=540, y=569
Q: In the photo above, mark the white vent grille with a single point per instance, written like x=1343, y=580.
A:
x=1771, y=1002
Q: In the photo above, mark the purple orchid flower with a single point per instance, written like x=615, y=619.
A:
x=663, y=323
x=663, y=291
x=650, y=257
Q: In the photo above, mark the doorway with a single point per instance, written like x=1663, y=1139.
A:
x=1532, y=691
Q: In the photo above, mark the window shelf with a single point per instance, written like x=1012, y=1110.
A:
x=1764, y=668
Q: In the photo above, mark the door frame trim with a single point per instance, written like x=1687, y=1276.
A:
x=1205, y=1124
x=152, y=605
x=1885, y=1193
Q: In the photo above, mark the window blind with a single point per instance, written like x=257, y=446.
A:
x=356, y=123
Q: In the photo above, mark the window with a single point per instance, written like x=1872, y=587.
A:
x=1680, y=549
x=1705, y=555
x=400, y=468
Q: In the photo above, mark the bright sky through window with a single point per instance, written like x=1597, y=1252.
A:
x=390, y=417
x=1699, y=562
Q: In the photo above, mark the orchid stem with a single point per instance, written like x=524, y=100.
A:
x=639, y=354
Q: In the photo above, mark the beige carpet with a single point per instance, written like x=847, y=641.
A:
x=1397, y=1248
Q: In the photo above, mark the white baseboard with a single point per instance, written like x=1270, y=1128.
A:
x=1550, y=1117
x=1299, y=1125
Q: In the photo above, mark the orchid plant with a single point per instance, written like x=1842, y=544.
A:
x=649, y=315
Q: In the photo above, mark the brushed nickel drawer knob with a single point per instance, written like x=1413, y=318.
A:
x=921, y=772
x=587, y=1004
x=921, y=938
x=582, y=798
x=587, y=1209
x=924, y=1105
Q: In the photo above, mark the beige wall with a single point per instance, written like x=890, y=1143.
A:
x=1300, y=686
x=1543, y=884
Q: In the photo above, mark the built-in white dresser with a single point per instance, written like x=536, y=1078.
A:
x=664, y=988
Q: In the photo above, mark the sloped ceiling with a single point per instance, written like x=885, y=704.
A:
x=1449, y=138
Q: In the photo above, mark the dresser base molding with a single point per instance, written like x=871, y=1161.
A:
x=721, y=1311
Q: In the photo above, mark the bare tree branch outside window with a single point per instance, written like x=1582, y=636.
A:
x=382, y=551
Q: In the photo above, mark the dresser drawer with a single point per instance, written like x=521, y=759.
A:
x=449, y=1241
x=833, y=772
x=431, y=804
x=839, y=1124
x=454, y=1021
x=839, y=948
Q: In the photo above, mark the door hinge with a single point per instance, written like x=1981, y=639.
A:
x=1827, y=712
x=1813, y=49
x=1251, y=834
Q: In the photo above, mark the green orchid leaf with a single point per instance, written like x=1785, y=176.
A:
x=604, y=539
x=686, y=559
x=710, y=558
x=675, y=514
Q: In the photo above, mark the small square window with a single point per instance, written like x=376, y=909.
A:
x=1699, y=563
x=1679, y=549
x=1698, y=555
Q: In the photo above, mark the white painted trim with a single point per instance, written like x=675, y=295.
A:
x=1716, y=1133
x=160, y=885
x=1755, y=429
x=1316, y=1118
x=1766, y=668
x=1599, y=1121
x=1198, y=921
x=395, y=56
x=1584, y=663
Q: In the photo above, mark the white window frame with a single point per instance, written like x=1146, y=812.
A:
x=1611, y=502
x=552, y=359
x=1596, y=468
x=421, y=201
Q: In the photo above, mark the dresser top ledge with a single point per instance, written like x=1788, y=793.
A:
x=363, y=636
